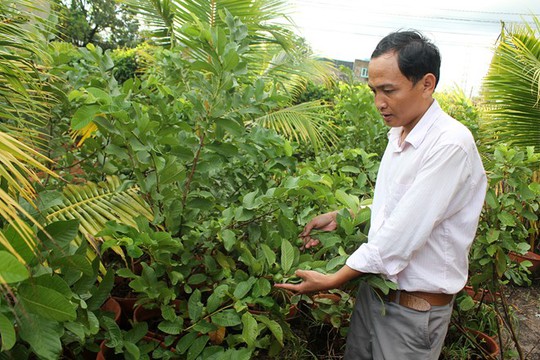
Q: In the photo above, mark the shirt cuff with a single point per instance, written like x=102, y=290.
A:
x=367, y=259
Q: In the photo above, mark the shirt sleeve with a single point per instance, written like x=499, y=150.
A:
x=441, y=187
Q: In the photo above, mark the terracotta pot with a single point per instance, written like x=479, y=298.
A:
x=335, y=298
x=487, y=296
x=293, y=312
x=487, y=343
x=111, y=305
x=127, y=304
x=529, y=255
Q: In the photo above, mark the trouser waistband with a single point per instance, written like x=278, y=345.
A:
x=416, y=300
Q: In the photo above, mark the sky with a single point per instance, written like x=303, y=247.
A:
x=465, y=31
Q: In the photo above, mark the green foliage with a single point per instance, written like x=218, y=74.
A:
x=512, y=203
x=461, y=107
x=132, y=62
x=360, y=123
x=57, y=301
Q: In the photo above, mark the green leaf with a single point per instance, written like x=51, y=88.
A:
x=138, y=332
x=466, y=304
x=351, y=169
x=76, y=262
x=243, y=288
x=335, y=262
x=11, y=270
x=100, y=294
x=506, y=218
x=42, y=335
x=197, y=347
x=229, y=239
x=195, y=307
x=7, y=333
x=47, y=303
x=54, y=282
x=262, y=287
x=273, y=326
x=26, y=250
x=349, y=201
x=172, y=327
x=492, y=235
x=491, y=199
x=233, y=127
x=132, y=349
x=197, y=279
x=269, y=254
x=252, y=200
x=59, y=234
x=113, y=333
x=250, y=329
x=287, y=255
x=84, y=116
x=101, y=96
x=226, y=318
x=185, y=342
x=500, y=262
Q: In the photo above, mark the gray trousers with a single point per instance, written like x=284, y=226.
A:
x=383, y=330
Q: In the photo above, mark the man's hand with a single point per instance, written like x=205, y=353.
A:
x=313, y=281
x=324, y=222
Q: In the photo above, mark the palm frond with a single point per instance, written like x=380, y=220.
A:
x=512, y=87
x=18, y=162
x=22, y=51
x=96, y=204
x=165, y=18
x=306, y=122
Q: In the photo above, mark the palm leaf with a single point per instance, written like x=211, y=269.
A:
x=306, y=122
x=512, y=87
x=22, y=52
x=96, y=204
x=165, y=18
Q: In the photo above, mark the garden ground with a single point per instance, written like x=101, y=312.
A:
x=526, y=301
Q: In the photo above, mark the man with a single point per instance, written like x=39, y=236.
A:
x=429, y=193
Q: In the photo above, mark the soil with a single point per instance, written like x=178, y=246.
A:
x=526, y=301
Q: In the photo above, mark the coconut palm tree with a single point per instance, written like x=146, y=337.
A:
x=275, y=54
x=511, y=88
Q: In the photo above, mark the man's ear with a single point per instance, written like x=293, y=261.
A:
x=429, y=81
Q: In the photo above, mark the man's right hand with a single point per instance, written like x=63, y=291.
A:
x=323, y=222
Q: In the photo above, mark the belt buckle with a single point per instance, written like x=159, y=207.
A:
x=413, y=302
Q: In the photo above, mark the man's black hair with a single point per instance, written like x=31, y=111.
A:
x=417, y=56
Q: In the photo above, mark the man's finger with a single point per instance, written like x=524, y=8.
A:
x=291, y=287
x=311, y=242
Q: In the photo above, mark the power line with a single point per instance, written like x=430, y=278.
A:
x=329, y=6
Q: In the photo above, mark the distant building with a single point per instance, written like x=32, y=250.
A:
x=360, y=70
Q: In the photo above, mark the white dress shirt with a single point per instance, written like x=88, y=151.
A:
x=429, y=193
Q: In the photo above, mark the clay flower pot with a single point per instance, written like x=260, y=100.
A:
x=111, y=305
x=335, y=298
x=530, y=256
x=487, y=297
x=487, y=343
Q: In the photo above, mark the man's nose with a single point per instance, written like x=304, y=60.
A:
x=380, y=103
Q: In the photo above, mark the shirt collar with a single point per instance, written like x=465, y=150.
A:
x=419, y=132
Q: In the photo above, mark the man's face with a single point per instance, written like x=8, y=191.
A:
x=400, y=102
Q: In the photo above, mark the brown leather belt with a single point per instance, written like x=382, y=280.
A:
x=416, y=300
